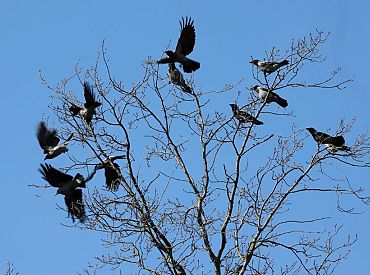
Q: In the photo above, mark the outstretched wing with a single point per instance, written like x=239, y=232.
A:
x=47, y=138
x=53, y=176
x=75, y=205
x=90, y=96
x=186, y=42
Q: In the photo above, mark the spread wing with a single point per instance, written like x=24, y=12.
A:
x=47, y=138
x=75, y=205
x=186, y=42
x=53, y=176
x=90, y=96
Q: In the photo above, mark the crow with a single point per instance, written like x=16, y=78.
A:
x=90, y=105
x=112, y=172
x=244, y=116
x=177, y=79
x=49, y=141
x=68, y=186
x=185, y=46
x=334, y=144
x=269, y=67
x=270, y=97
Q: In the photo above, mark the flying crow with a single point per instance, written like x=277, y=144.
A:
x=90, y=104
x=270, y=97
x=112, y=172
x=332, y=143
x=185, y=46
x=49, y=141
x=244, y=116
x=177, y=79
x=269, y=67
x=67, y=186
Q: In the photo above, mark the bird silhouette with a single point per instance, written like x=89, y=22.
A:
x=49, y=141
x=90, y=105
x=185, y=45
x=243, y=116
x=334, y=144
x=269, y=67
x=69, y=187
x=264, y=94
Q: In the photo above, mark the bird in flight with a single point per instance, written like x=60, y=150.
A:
x=69, y=187
x=334, y=144
x=243, y=116
x=185, y=46
x=50, y=142
x=269, y=67
x=112, y=172
x=90, y=105
x=177, y=79
x=264, y=94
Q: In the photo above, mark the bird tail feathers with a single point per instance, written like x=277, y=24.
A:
x=190, y=65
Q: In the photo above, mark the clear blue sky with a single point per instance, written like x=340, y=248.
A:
x=52, y=36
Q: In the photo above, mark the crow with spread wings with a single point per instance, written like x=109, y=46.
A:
x=185, y=46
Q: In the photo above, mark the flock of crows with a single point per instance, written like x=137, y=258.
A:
x=70, y=186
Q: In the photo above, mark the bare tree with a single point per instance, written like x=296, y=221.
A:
x=199, y=191
x=10, y=269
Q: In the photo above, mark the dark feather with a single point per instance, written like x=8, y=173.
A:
x=74, y=109
x=53, y=176
x=186, y=42
x=323, y=138
x=75, y=205
x=46, y=138
x=89, y=95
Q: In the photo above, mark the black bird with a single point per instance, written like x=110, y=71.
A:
x=49, y=141
x=177, y=79
x=270, y=97
x=332, y=143
x=112, y=172
x=269, y=67
x=185, y=46
x=67, y=186
x=244, y=116
x=90, y=105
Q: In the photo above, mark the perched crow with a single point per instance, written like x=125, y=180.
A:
x=244, y=116
x=49, y=141
x=112, y=172
x=177, y=79
x=332, y=143
x=90, y=105
x=67, y=186
x=185, y=46
x=270, y=97
x=269, y=67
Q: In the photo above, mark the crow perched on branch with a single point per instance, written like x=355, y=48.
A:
x=177, y=79
x=269, y=67
x=334, y=144
x=270, y=97
x=244, y=116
